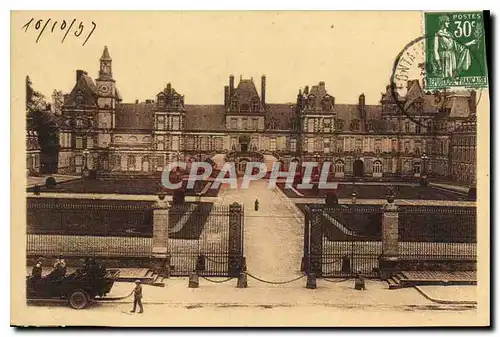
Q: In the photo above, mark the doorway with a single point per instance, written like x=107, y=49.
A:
x=358, y=168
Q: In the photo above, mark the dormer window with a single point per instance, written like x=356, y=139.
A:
x=255, y=105
x=326, y=104
x=161, y=101
x=234, y=105
x=79, y=100
x=175, y=102
x=245, y=108
x=354, y=126
x=272, y=125
x=339, y=124
x=311, y=102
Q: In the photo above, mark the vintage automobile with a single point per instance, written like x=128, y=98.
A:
x=78, y=289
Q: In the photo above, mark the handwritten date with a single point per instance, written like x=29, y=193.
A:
x=59, y=27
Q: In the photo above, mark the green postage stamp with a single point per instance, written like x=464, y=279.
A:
x=455, y=50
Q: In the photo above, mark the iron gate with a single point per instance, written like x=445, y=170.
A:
x=342, y=240
x=207, y=238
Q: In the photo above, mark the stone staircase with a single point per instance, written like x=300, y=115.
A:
x=417, y=278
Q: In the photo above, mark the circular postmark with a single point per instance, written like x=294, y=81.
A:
x=408, y=82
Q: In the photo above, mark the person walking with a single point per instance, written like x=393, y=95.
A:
x=138, y=297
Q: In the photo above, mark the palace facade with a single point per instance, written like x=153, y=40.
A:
x=100, y=132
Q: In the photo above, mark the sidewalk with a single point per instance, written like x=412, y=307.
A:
x=399, y=202
x=463, y=294
x=332, y=294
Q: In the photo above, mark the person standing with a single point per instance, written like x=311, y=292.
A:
x=138, y=297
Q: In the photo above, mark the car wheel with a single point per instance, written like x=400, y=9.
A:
x=78, y=300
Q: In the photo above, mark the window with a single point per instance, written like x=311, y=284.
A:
x=339, y=166
x=79, y=142
x=377, y=167
x=255, y=105
x=78, y=160
x=234, y=123
x=311, y=102
x=204, y=143
x=407, y=146
x=359, y=144
x=90, y=142
x=175, y=102
x=131, y=161
x=417, y=128
x=327, y=103
x=79, y=123
x=161, y=123
x=378, y=146
x=310, y=145
x=245, y=108
x=394, y=145
x=369, y=126
x=219, y=144
x=244, y=123
x=354, y=125
x=293, y=145
x=255, y=123
x=326, y=125
x=272, y=147
x=272, y=124
x=190, y=143
x=407, y=126
x=132, y=139
x=161, y=101
x=175, y=123
x=234, y=105
x=318, y=145
x=160, y=143
x=339, y=124
x=175, y=143
x=326, y=146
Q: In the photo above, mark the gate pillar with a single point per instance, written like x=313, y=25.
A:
x=388, y=261
x=160, y=228
x=315, y=240
x=235, y=261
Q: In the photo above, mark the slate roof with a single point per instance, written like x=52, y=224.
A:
x=245, y=92
x=205, y=117
x=282, y=114
x=86, y=86
x=134, y=116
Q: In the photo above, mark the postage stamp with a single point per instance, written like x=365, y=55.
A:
x=455, y=50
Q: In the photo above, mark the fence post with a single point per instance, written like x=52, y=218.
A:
x=388, y=261
x=235, y=240
x=315, y=240
x=160, y=236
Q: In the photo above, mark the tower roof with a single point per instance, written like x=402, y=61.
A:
x=105, y=54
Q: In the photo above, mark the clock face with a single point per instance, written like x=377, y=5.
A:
x=104, y=89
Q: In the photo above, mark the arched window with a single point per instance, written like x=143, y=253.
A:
x=146, y=139
x=339, y=166
x=377, y=166
x=311, y=102
x=118, y=139
x=132, y=139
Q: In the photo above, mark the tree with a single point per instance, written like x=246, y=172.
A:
x=57, y=101
x=41, y=120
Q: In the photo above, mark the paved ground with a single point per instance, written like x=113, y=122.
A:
x=332, y=304
x=273, y=234
x=464, y=294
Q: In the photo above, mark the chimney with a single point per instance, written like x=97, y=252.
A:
x=361, y=105
x=263, y=89
x=231, y=85
x=226, y=95
x=136, y=101
x=79, y=74
x=306, y=90
x=321, y=84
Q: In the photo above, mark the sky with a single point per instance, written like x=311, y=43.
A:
x=352, y=52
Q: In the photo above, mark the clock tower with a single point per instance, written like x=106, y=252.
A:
x=107, y=97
